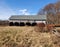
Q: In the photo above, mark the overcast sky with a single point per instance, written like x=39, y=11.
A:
x=21, y=7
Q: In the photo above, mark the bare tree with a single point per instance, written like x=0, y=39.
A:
x=53, y=12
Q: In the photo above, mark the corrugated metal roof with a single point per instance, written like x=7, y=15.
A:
x=28, y=17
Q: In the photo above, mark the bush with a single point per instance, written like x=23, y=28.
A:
x=40, y=27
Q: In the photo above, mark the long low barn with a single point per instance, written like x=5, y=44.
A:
x=22, y=20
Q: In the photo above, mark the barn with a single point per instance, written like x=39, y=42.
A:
x=29, y=20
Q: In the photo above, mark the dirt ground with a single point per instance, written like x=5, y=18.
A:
x=26, y=37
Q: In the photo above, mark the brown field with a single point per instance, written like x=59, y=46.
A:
x=26, y=37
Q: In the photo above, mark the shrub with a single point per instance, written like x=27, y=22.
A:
x=40, y=27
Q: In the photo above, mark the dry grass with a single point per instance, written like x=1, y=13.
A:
x=26, y=37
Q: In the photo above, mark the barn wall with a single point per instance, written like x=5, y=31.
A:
x=31, y=22
x=26, y=21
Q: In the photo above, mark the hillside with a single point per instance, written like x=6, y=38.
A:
x=26, y=37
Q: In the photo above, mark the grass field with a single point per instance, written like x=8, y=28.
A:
x=26, y=37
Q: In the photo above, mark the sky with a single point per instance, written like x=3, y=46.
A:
x=21, y=7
